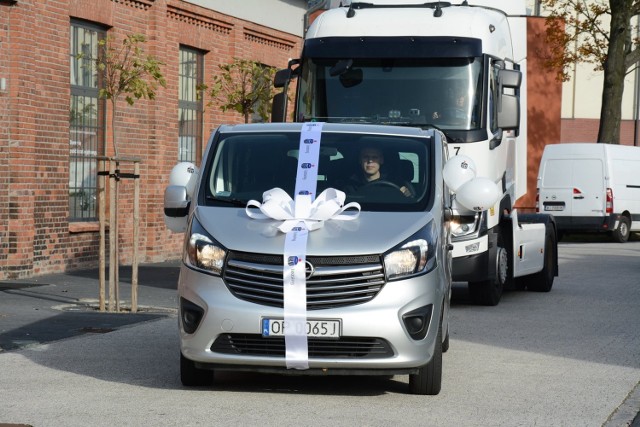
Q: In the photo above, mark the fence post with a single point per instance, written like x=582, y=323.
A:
x=136, y=236
x=112, y=233
x=101, y=219
x=116, y=259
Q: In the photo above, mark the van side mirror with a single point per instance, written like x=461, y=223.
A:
x=176, y=208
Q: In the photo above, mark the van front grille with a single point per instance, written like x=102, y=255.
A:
x=335, y=281
x=344, y=347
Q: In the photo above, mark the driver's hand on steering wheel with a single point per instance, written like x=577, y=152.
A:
x=405, y=191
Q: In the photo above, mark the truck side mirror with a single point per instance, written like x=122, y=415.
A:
x=282, y=77
x=510, y=78
x=509, y=105
x=279, y=108
x=509, y=113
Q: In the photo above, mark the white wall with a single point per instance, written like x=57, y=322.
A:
x=582, y=95
x=282, y=15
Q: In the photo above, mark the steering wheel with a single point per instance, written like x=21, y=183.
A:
x=454, y=113
x=382, y=182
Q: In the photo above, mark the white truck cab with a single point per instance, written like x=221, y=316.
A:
x=457, y=67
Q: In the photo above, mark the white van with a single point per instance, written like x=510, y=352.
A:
x=591, y=187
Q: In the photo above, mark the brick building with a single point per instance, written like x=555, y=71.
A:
x=52, y=124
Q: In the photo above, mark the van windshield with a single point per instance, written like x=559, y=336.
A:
x=381, y=172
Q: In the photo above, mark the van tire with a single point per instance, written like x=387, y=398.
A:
x=445, y=343
x=428, y=379
x=622, y=232
x=191, y=376
x=543, y=280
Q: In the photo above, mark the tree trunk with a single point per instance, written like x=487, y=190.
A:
x=614, y=72
x=114, y=101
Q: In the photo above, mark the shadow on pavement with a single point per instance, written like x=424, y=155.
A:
x=68, y=324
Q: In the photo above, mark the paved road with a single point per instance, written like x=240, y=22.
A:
x=570, y=357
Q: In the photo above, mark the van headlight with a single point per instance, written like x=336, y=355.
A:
x=202, y=252
x=416, y=255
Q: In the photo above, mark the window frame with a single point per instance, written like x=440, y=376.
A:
x=191, y=103
x=87, y=121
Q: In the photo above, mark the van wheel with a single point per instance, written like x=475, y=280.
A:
x=191, y=376
x=428, y=379
x=621, y=234
x=445, y=343
x=543, y=280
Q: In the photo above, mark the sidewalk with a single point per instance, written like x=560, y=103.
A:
x=57, y=306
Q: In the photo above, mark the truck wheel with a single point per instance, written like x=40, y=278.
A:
x=489, y=292
x=543, y=280
x=428, y=379
x=191, y=376
x=621, y=234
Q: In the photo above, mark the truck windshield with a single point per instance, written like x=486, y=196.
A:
x=445, y=93
x=245, y=165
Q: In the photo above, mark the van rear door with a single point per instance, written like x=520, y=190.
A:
x=573, y=188
x=588, y=192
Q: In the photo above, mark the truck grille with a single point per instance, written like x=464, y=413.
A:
x=335, y=282
x=345, y=347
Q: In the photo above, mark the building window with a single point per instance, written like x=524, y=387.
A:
x=190, y=105
x=86, y=121
x=262, y=110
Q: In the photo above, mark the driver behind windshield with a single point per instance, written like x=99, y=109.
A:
x=371, y=160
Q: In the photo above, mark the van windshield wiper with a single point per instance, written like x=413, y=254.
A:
x=228, y=200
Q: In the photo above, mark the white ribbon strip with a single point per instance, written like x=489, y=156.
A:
x=295, y=298
x=298, y=218
x=277, y=205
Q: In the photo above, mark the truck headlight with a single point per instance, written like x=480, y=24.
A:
x=202, y=252
x=465, y=225
x=416, y=255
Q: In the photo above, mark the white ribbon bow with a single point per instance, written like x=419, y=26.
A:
x=276, y=204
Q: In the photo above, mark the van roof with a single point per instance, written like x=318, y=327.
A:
x=590, y=148
x=329, y=127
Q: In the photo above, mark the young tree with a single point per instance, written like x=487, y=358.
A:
x=244, y=86
x=123, y=69
x=580, y=35
x=126, y=70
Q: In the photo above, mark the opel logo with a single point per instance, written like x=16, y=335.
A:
x=309, y=269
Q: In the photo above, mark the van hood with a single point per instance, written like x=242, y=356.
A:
x=370, y=233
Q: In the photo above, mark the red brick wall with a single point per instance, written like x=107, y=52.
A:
x=543, y=112
x=586, y=130
x=35, y=234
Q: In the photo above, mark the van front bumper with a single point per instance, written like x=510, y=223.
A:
x=373, y=339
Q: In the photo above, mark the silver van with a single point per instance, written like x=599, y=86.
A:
x=376, y=287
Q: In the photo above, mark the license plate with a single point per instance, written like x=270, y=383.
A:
x=554, y=208
x=317, y=328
